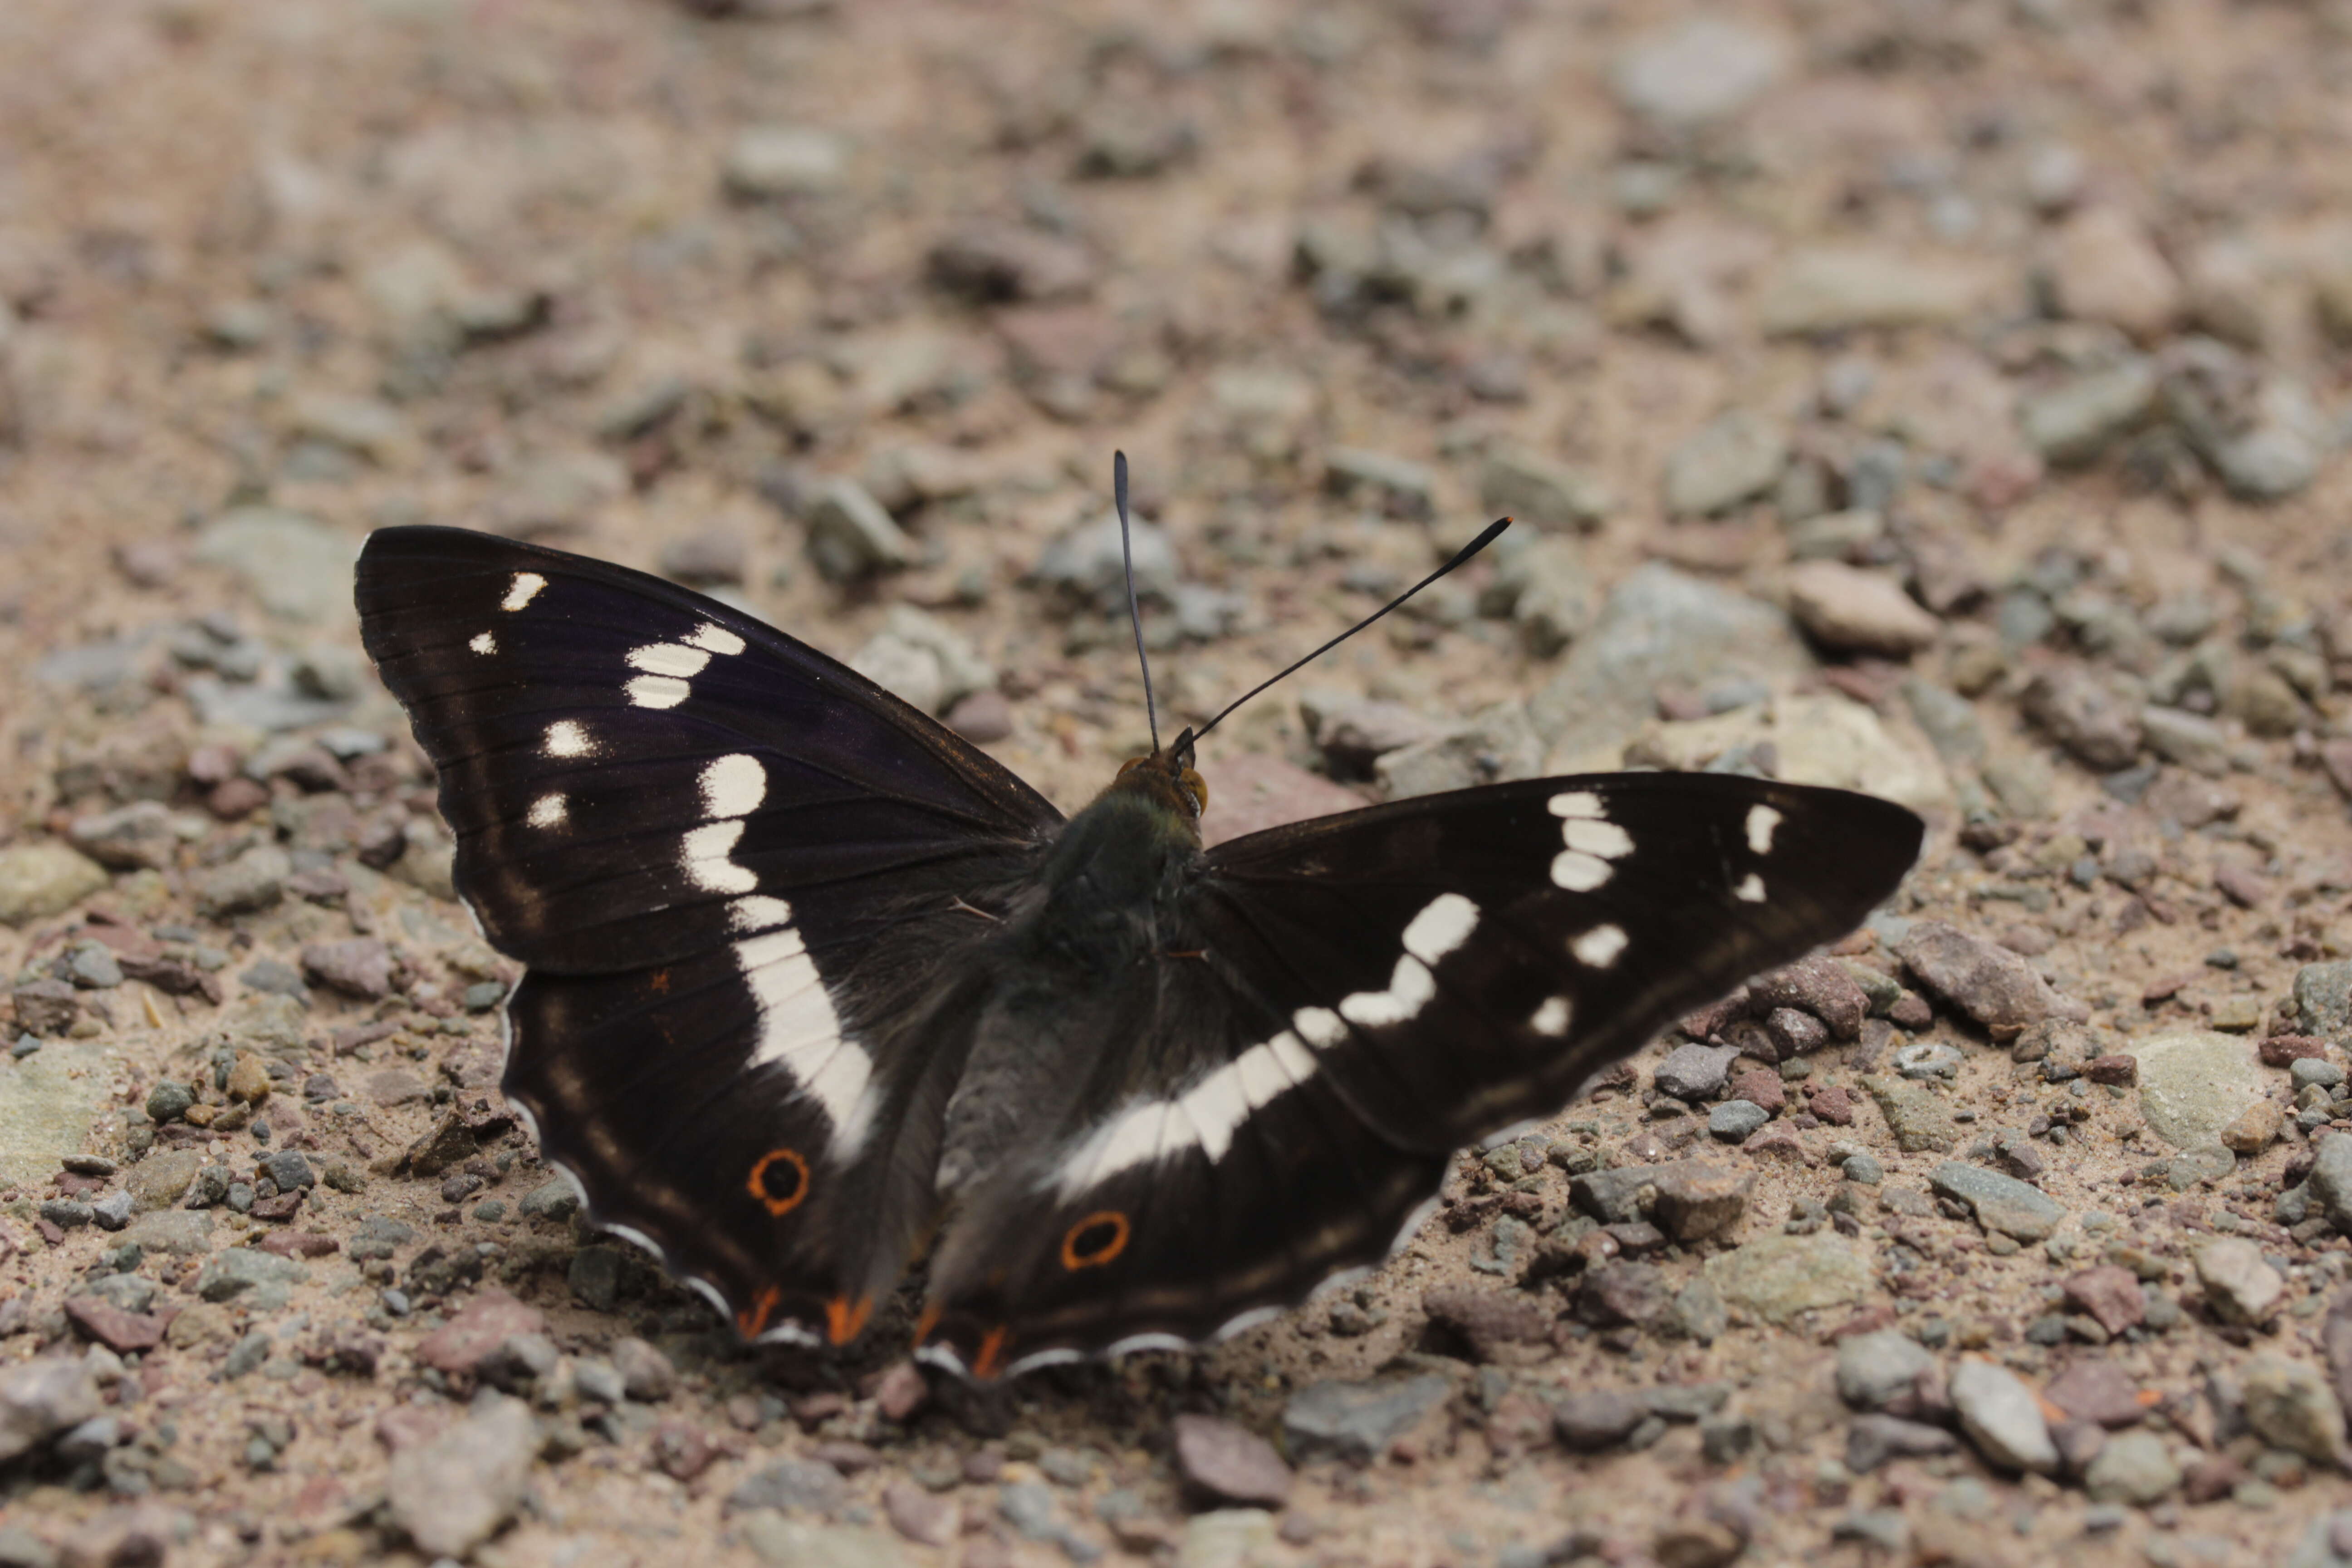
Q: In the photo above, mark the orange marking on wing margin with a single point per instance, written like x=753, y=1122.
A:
x=753, y=1319
x=844, y=1317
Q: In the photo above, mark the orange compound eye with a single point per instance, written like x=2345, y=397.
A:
x=1198, y=785
x=1095, y=1241
x=780, y=1180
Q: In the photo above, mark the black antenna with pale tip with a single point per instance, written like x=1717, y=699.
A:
x=1134, y=611
x=1493, y=530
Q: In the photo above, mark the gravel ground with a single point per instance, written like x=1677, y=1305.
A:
x=1946, y=399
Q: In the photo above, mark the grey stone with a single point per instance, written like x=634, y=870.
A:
x=785, y=1543
x=1925, y=1059
x=1848, y=608
x=771, y=162
x=1593, y=1419
x=646, y=1374
x=1777, y=1277
x=1875, y=1368
x=157, y=1181
x=1402, y=487
x=1872, y=1440
x=254, y=880
x=595, y=1277
x=1659, y=625
x=2331, y=1179
x=41, y=1398
x=1357, y=1421
x=1694, y=1072
x=180, y=1231
x=1842, y=288
x=143, y=836
x=1086, y=561
x=112, y=1212
x=2194, y=1083
x=2322, y=999
x=2240, y=1286
x=1699, y=71
x=2134, y=1468
x=2076, y=419
x=1734, y=457
x=1735, y=1120
x=2088, y=713
x=2290, y=1406
x=1535, y=490
x=47, y=1103
x=43, y=877
x=92, y=966
x=920, y=659
x=2002, y=1418
x=44, y=1007
x=2191, y=740
x=1920, y=1122
x=1227, y=1537
x=850, y=535
x=288, y=1169
x=233, y=1273
x=800, y=1484
x=1498, y=746
x=1549, y=589
x=2001, y=1204
x=452, y=1492
x=557, y=1198
x=298, y=568
x=1949, y=719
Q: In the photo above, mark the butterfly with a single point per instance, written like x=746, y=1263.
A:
x=818, y=993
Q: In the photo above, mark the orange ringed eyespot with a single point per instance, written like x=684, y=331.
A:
x=780, y=1189
x=1095, y=1241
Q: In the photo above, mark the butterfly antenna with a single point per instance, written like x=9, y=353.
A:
x=1134, y=611
x=1493, y=530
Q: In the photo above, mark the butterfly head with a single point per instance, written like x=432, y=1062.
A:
x=1167, y=777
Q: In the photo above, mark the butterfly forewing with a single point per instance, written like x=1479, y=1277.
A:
x=732, y=866
x=1372, y=991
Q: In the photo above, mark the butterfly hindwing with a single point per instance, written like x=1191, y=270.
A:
x=1355, y=996
x=731, y=866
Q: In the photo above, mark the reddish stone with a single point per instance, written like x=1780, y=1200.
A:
x=237, y=797
x=2213, y=1479
x=1255, y=790
x=1817, y=985
x=922, y=1517
x=682, y=1450
x=282, y=1207
x=2241, y=887
x=473, y=1335
x=1229, y=1463
x=2285, y=1051
x=901, y=1391
x=298, y=1243
x=2115, y=1069
x=1777, y=1144
x=402, y=1426
x=114, y=1328
x=2095, y=1390
x=1761, y=1087
x=1834, y=1106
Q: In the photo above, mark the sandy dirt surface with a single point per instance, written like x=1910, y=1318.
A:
x=1946, y=399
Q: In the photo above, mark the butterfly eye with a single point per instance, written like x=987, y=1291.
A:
x=1198, y=785
x=1095, y=1241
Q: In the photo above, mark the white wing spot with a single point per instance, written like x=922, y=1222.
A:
x=566, y=738
x=1588, y=835
x=704, y=859
x=1579, y=803
x=759, y=913
x=482, y=642
x=1750, y=891
x=1600, y=946
x=1411, y=987
x=1444, y=925
x=800, y=1032
x=1761, y=821
x=1579, y=872
x=1319, y=1026
x=734, y=785
x=668, y=658
x=1205, y=1116
x=521, y=589
x=717, y=639
x=658, y=691
x=548, y=811
x=1552, y=1019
